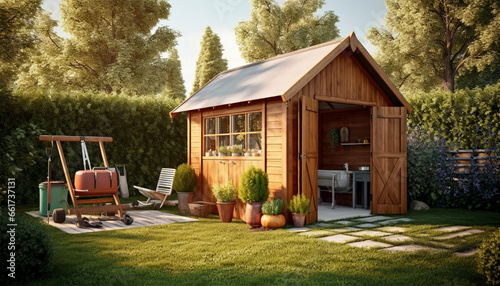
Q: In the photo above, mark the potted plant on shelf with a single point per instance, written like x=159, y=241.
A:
x=223, y=151
x=184, y=183
x=299, y=206
x=248, y=153
x=253, y=190
x=271, y=214
x=225, y=200
x=255, y=152
x=208, y=153
x=236, y=150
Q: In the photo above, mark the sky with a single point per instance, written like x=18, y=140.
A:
x=190, y=18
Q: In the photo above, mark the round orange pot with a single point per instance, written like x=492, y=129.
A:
x=273, y=221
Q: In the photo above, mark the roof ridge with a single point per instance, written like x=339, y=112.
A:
x=286, y=54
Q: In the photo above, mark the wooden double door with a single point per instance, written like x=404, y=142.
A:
x=388, y=158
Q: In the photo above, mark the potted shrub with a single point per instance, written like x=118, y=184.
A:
x=223, y=151
x=299, y=206
x=271, y=214
x=184, y=183
x=253, y=190
x=225, y=200
x=236, y=150
x=248, y=153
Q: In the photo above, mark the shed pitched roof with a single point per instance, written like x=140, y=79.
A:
x=282, y=75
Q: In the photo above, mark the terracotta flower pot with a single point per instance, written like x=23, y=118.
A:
x=253, y=214
x=184, y=198
x=273, y=221
x=299, y=220
x=226, y=211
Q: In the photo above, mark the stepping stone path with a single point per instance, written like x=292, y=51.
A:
x=375, y=226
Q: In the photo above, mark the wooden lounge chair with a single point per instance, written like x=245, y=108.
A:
x=163, y=189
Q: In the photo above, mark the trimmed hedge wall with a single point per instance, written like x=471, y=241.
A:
x=145, y=138
x=457, y=117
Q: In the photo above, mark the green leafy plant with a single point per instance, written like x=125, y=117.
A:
x=184, y=179
x=254, y=185
x=334, y=137
x=273, y=207
x=224, y=193
x=237, y=149
x=33, y=249
x=488, y=259
x=299, y=204
x=223, y=150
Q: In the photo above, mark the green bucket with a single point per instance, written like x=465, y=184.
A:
x=58, y=196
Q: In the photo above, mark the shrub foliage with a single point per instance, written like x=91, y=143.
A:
x=488, y=258
x=224, y=193
x=184, y=179
x=273, y=207
x=299, y=204
x=145, y=138
x=254, y=186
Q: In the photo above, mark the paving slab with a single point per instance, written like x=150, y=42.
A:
x=396, y=221
x=339, y=238
x=344, y=222
x=315, y=232
x=393, y=229
x=369, y=244
x=458, y=234
x=452, y=228
x=298, y=229
x=344, y=229
x=397, y=238
x=411, y=247
x=373, y=233
x=368, y=225
x=466, y=253
x=373, y=218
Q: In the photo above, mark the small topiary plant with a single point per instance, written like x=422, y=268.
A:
x=299, y=204
x=184, y=179
x=254, y=185
x=223, y=150
x=224, y=193
x=237, y=149
x=33, y=251
x=488, y=258
x=274, y=207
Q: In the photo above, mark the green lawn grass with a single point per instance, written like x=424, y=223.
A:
x=209, y=252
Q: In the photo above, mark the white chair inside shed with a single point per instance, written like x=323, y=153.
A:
x=163, y=189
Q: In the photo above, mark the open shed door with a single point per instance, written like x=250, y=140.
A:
x=388, y=160
x=309, y=152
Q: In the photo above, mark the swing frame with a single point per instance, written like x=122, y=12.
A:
x=77, y=208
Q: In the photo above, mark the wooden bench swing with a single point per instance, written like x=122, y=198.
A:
x=92, y=187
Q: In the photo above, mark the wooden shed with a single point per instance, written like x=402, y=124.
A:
x=283, y=108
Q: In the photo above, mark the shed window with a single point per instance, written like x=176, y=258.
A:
x=243, y=129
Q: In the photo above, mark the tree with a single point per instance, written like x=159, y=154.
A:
x=274, y=29
x=174, y=87
x=427, y=42
x=210, y=61
x=111, y=48
x=17, y=18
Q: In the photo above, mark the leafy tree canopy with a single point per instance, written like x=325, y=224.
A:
x=426, y=43
x=273, y=29
x=113, y=46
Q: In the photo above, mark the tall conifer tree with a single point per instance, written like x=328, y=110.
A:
x=210, y=61
x=174, y=87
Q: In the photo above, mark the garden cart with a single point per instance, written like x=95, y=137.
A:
x=92, y=187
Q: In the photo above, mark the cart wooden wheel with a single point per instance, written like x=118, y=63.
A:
x=59, y=215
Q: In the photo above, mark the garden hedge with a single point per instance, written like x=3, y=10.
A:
x=145, y=138
x=456, y=117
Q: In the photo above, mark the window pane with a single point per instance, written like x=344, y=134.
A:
x=224, y=141
x=255, y=121
x=223, y=124
x=210, y=126
x=209, y=143
x=239, y=140
x=255, y=141
x=239, y=123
